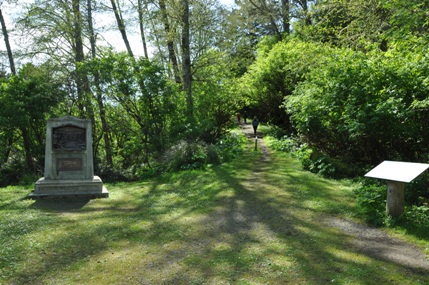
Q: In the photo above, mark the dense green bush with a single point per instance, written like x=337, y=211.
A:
x=230, y=145
x=11, y=172
x=314, y=160
x=184, y=155
x=285, y=144
x=362, y=108
x=371, y=198
x=275, y=75
x=416, y=220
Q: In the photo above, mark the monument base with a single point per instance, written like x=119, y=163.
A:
x=70, y=188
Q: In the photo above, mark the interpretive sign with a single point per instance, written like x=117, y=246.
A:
x=396, y=174
x=398, y=171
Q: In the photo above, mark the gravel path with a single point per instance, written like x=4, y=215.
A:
x=369, y=241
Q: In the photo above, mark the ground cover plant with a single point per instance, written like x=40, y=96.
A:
x=258, y=219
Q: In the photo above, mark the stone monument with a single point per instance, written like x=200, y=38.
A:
x=69, y=167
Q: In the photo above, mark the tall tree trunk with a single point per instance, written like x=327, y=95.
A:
x=102, y=112
x=27, y=149
x=186, y=60
x=79, y=55
x=304, y=6
x=82, y=81
x=286, y=16
x=140, y=8
x=265, y=10
x=6, y=39
x=170, y=42
x=121, y=26
x=7, y=147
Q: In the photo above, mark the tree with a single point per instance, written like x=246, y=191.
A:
x=27, y=99
x=8, y=136
x=141, y=26
x=121, y=26
x=279, y=68
x=408, y=22
x=361, y=108
x=55, y=31
x=170, y=36
x=356, y=24
x=268, y=17
x=6, y=40
x=215, y=96
x=186, y=60
x=98, y=91
x=146, y=98
x=82, y=82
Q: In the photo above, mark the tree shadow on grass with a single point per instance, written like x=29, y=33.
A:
x=60, y=204
x=254, y=229
x=253, y=236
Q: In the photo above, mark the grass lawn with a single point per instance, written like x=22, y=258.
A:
x=250, y=221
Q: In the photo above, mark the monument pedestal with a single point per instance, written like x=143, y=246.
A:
x=74, y=188
x=69, y=169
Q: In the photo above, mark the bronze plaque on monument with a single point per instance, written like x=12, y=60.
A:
x=68, y=138
x=69, y=164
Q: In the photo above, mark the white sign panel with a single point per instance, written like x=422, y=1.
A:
x=397, y=171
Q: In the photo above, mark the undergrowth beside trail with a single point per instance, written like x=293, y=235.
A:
x=370, y=194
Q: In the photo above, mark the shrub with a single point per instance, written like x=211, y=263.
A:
x=418, y=216
x=213, y=154
x=230, y=145
x=371, y=198
x=184, y=155
x=364, y=107
x=285, y=144
x=11, y=172
x=313, y=160
x=114, y=175
x=194, y=155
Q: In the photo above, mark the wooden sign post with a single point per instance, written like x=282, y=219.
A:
x=396, y=174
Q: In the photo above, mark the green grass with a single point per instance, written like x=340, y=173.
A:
x=245, y=222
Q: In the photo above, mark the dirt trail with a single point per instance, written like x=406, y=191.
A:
x=369, y=241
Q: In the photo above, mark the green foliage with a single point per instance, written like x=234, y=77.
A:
x=275, y=75
x=185, y=155
x=371, y=198
x=145, y=110
x=215, y=98
x=286, y=144
x=360, y=107
x=231, y=145
x=11, y=172
x=194, y=155
x=416, y=220
x=312, y=159
x=358, y=24
x=27, y=100
x=408, y=21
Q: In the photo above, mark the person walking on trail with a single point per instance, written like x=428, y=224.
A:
x=239, y=118
x=245, y=117
x=255, y=124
